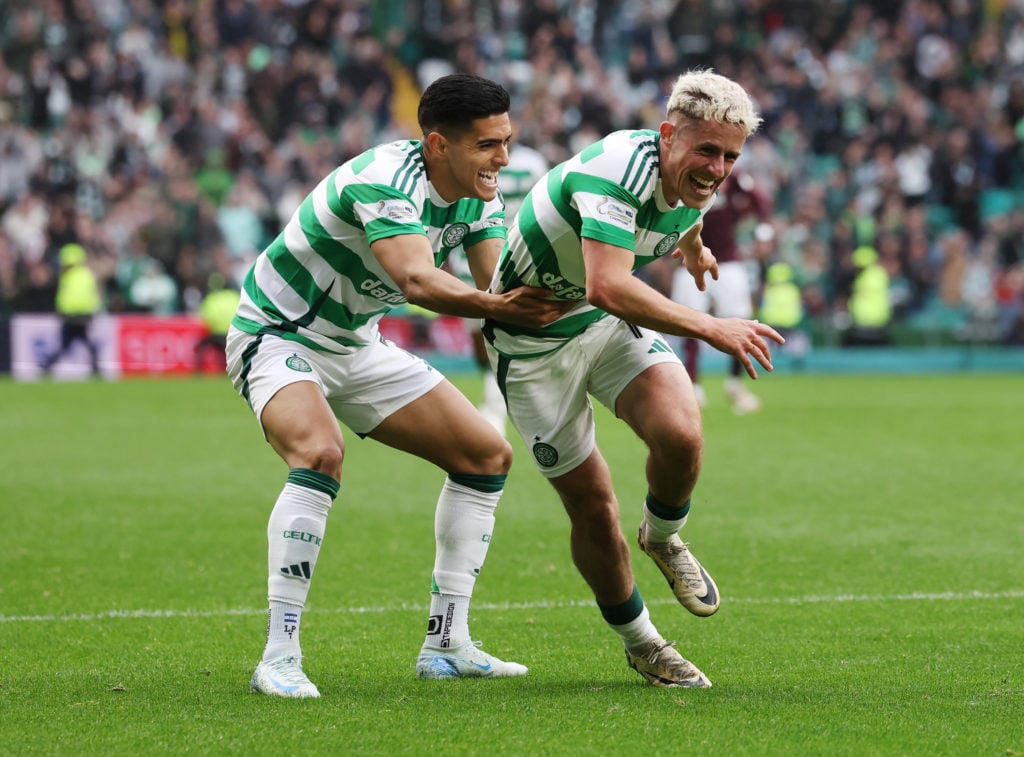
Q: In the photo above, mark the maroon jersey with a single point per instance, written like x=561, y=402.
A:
x=737, y=200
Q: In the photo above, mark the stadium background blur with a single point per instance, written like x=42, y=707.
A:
x=173, y=139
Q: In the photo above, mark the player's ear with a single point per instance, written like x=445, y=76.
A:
x=667, y=130
x=437, y=143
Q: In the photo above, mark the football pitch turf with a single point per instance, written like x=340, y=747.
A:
x=866, y=534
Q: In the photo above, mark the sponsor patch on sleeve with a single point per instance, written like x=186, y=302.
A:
x=399, y=211
x=617, y=213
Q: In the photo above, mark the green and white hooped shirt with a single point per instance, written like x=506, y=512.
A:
x=610, y=192
x=319, y=282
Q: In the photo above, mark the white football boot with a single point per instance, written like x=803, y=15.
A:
x=283, y=677
x=464, y=661
x=693, y=587
x=661, y=665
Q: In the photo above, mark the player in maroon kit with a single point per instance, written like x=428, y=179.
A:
x=730, y=296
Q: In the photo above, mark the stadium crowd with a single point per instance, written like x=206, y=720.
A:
x=171, y=138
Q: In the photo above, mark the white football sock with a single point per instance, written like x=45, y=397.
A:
x=294, y=534
x=448, y=625
x=463, y=524
x=660, y=530
x=638, y=631
x=283, y=631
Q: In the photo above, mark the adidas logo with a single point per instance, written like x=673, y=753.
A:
x=300, y=570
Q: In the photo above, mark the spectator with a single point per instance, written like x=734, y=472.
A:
x=871, y=110
x=8, y=277
x=25, y=224
x=241, y=220
x=782, y=307
x=153, y=291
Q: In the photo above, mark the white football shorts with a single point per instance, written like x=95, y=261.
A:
x=362, y=388
x=728, y=297
x=547, y=396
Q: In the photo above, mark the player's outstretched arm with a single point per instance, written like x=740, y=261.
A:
x=612, y=287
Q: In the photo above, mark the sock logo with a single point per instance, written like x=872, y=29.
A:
x=291, y=623
x=300, y=570
x=302, y=536
x=446, y=632
x=433, y=625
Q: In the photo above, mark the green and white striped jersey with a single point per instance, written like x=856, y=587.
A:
x=319, y=282
x=610, y=192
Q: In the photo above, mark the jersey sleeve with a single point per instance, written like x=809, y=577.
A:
x=385, y=212
x=608, y=212
x=490, y=225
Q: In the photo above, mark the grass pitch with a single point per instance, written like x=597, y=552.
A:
x=866, y=534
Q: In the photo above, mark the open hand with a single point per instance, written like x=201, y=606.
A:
x=744, y=339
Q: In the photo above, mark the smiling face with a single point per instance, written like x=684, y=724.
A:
x=697, y=155
x=467, y=164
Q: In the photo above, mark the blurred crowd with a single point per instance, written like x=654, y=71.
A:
x=173, y=138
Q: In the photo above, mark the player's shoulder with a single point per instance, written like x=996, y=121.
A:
x=632, y=139
x=626, y=146
x=627, y=158
x=399, y=164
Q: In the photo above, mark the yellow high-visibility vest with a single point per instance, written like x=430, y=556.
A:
x=77, y=291
x=781, y=304
x=870, y=303
x=218, y=308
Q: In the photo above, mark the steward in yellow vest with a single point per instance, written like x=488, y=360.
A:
x=781, y=304
x=870, y=303
x=78, y=300
x=216, y=311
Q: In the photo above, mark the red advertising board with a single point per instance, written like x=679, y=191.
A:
x=158, y=345
x=152, y=345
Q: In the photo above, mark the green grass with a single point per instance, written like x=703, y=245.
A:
x=866, y=534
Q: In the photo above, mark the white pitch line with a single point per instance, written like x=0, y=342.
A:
x=541, y=605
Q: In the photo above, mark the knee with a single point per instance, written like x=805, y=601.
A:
x=491, y=458
x=497, y=459
x=326, y=457
x=596, y=523
x=592, y=512
x=683, y=445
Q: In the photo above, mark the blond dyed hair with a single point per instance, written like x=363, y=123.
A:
x=707, y=96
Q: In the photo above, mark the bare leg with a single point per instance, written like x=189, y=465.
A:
x=665, y=415
x=599, y=549
x=661, y=410
x=602, y=556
